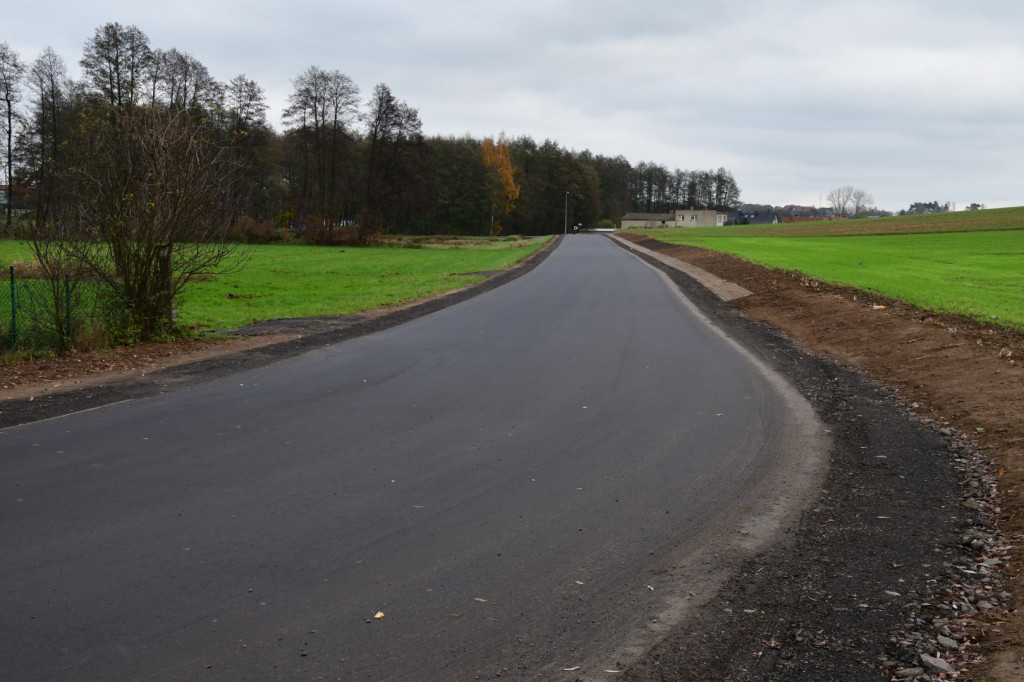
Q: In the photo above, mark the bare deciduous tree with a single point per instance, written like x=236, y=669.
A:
x=395, y=139
x=848, y=201
x=860, y=202
x=12, y=70
x=244, y=118
x=840, y=200
x=319, y=114
x=246, y=105
x=48, y=79
x=178, y=79
x=115, y=60
x=148, y=202
x=727, y=191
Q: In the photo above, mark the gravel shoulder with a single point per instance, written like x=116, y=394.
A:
x=904, y=568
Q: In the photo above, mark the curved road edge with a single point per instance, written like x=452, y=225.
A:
x=873, y=565
x=310, y=333
x=701, y=567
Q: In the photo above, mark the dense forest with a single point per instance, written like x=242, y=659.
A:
x=341, y=168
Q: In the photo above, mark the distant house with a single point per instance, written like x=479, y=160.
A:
x=752, y=218
x=675, y=218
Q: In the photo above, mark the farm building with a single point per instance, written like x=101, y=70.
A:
x=675, y=218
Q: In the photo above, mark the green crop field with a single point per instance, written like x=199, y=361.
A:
x=960, y=221
x=302, y=281
x=971, y=263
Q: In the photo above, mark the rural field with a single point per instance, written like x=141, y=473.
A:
x=286, y=281
x=967, y=263
x=307, y=281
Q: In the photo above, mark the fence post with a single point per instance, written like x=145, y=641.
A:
x=14, y=310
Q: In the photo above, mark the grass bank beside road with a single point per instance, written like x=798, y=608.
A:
x=309, y=281
x=969, y=263
x=285, y=281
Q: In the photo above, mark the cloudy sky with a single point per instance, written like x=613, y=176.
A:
x=911, y=100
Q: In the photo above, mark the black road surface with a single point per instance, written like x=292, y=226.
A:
x=534, y=483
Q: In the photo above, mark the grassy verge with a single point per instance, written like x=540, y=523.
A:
x=966, y=263
x=303, y=281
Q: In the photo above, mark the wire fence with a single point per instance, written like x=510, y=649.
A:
x=42, y=315
x=9, y=314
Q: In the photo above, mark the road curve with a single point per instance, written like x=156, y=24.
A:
x=531, y=483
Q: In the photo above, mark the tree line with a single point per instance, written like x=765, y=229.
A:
x=146, y=174
x=342, y=168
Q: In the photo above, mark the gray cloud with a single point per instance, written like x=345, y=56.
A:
x=913, y=101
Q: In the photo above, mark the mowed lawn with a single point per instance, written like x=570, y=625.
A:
x=304, y=281
x=975, y=273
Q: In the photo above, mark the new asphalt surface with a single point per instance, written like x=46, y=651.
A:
x=539, y=481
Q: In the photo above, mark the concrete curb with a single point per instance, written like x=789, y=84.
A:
x=724, y=289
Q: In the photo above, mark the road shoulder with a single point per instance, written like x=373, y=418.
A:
x=897, y=559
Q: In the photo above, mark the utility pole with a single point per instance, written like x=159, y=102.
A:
x=565, y=219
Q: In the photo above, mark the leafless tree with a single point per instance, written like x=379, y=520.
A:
x=727, y=191
x=246, y=104
x=243, y=116
x=860, y=202
x=147, y=204
x=318, y=116
x=178, y=79
x=12, y=70
x=49, y=81
x=396, y=151
x=840, y=199
x=115, y=60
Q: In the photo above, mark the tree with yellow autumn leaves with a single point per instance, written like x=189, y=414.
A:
x=501, y=180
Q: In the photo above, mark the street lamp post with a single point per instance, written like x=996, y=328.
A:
x=565, y=219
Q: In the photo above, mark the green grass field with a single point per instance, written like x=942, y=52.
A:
x=934, y=223
x=302, y=281
x=971, y=263
x=12, y=251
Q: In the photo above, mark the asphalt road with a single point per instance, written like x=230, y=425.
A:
x=538, y=479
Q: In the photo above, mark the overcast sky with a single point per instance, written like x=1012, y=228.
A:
x=911, y=100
